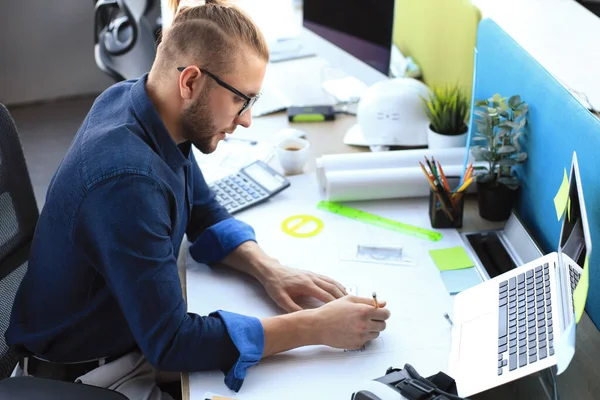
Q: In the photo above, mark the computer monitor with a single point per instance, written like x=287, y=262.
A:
x=361, y=28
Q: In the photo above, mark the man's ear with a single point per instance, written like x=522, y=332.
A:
x=189, y=82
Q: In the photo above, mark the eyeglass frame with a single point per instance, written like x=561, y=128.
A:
x=250, y=100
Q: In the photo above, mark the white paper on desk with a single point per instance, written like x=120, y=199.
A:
x=230, y=156
x=387, y=160
x=372, y=184
x=272, y=99
x=416, y=333
x=346, y=90
x=337, y=379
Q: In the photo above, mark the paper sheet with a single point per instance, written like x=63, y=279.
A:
x=386, y=160
x=212, y=396
x=230, y=156
x=417, y=332
x=461, y=279
x=373, y=184
x=390, y=159
x=451, y=258
x=562, y=196
x=580, y=293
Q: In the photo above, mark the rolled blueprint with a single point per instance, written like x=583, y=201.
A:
x=383, y=183
x=387, y=160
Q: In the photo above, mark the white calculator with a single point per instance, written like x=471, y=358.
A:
x=252, y=185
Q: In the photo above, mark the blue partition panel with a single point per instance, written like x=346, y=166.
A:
x=557, y=125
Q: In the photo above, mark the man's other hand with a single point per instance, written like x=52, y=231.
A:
x=285, y=284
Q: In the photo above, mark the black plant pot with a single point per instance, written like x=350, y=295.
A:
x=495, y=200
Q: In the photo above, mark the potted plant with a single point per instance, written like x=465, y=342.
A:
x=447, y=109
x=500, y=125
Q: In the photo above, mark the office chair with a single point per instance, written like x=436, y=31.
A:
x=18, y=218
x=124, y=41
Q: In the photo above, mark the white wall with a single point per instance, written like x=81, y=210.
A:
x=47, y=50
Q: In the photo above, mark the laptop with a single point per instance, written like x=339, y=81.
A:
x=505, y=328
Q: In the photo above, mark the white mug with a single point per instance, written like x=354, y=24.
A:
x=292, y=154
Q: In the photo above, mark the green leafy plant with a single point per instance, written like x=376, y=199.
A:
x=447, y=109
x=500, y=125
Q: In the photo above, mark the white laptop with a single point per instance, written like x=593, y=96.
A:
x=505, y=328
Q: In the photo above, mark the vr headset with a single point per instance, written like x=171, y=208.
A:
x=400, y=384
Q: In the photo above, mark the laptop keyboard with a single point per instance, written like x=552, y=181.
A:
x=525, y=329
x=574, y=275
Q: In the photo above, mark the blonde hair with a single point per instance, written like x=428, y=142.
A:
x=212, y=35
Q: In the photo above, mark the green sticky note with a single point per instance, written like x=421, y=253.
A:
x=569, y=209
x=451, y=258
x=561, y=198
x=580, y=293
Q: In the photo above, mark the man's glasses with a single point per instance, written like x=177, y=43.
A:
x=249, y=101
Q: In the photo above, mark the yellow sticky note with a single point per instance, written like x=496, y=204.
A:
x=569, y=209
x=580, y=293
x=561, y=198
x=451, y=259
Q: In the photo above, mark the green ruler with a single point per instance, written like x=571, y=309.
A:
x=376, y=220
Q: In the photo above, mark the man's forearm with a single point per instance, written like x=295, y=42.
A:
x=285, y=332
x=251, y=259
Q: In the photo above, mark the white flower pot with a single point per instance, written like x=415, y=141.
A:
x=437, y=141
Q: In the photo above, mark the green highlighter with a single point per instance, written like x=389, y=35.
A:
x=310, y=113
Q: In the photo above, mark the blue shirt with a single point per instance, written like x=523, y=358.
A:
x=102, y=276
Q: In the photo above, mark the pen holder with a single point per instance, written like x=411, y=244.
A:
x=446, y=209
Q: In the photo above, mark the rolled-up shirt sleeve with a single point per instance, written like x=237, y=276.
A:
x=213, y=232
x=248, y=336
x=124, y=225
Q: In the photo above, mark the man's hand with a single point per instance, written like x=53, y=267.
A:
x=285, y=284
x=350, y=322
x=345, y=323
x=281, y=283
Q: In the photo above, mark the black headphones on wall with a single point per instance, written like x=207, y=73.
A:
x=114, y=26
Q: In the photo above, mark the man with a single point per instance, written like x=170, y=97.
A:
x=101, y=302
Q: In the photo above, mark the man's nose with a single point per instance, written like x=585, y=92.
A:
x=245, y=119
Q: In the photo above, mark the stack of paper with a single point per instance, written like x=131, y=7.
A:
x=456, y=269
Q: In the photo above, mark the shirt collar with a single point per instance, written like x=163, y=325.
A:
x=153, y=125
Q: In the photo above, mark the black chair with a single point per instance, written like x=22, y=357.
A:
x=124, y=40
x=18, y=218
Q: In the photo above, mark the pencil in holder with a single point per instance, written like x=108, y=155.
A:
x=446, y=208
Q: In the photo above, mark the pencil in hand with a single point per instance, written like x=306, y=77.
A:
x=375, y=302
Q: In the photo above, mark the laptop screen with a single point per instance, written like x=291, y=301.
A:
x=575, y=235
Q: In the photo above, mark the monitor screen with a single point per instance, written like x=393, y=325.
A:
x=575, y=235
x=361, y=28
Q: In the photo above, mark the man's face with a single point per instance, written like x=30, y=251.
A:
x=214, y=110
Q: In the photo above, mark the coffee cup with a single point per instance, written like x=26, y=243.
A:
x=292, y=154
